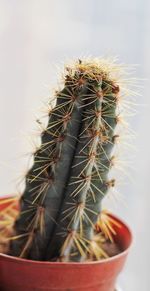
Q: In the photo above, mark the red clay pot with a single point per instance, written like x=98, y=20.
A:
x=23, y=275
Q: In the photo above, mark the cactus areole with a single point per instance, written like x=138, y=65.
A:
x=70, y=173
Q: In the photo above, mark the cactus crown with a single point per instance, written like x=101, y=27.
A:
x=64, y=188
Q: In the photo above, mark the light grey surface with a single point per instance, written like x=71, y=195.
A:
x=36, y=35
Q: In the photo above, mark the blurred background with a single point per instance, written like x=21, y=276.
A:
x=38, y=36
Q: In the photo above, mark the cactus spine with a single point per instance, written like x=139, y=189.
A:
x=65, y=186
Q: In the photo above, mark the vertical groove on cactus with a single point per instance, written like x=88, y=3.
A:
x=69, y=177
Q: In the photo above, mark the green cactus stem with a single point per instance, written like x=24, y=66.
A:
x=69, y=177
x=46, y=180
x=88, y=181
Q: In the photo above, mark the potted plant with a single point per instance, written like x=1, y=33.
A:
x=62, y=240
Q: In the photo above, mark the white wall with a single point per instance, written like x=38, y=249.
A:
x=35, y=36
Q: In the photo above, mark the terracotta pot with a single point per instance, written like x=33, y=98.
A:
x=25, y=275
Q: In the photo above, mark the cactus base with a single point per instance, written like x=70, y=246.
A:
x=21, y=274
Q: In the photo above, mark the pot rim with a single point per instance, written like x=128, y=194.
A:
x=66, y=264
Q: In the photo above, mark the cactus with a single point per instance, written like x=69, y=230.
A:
x=69, y=177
